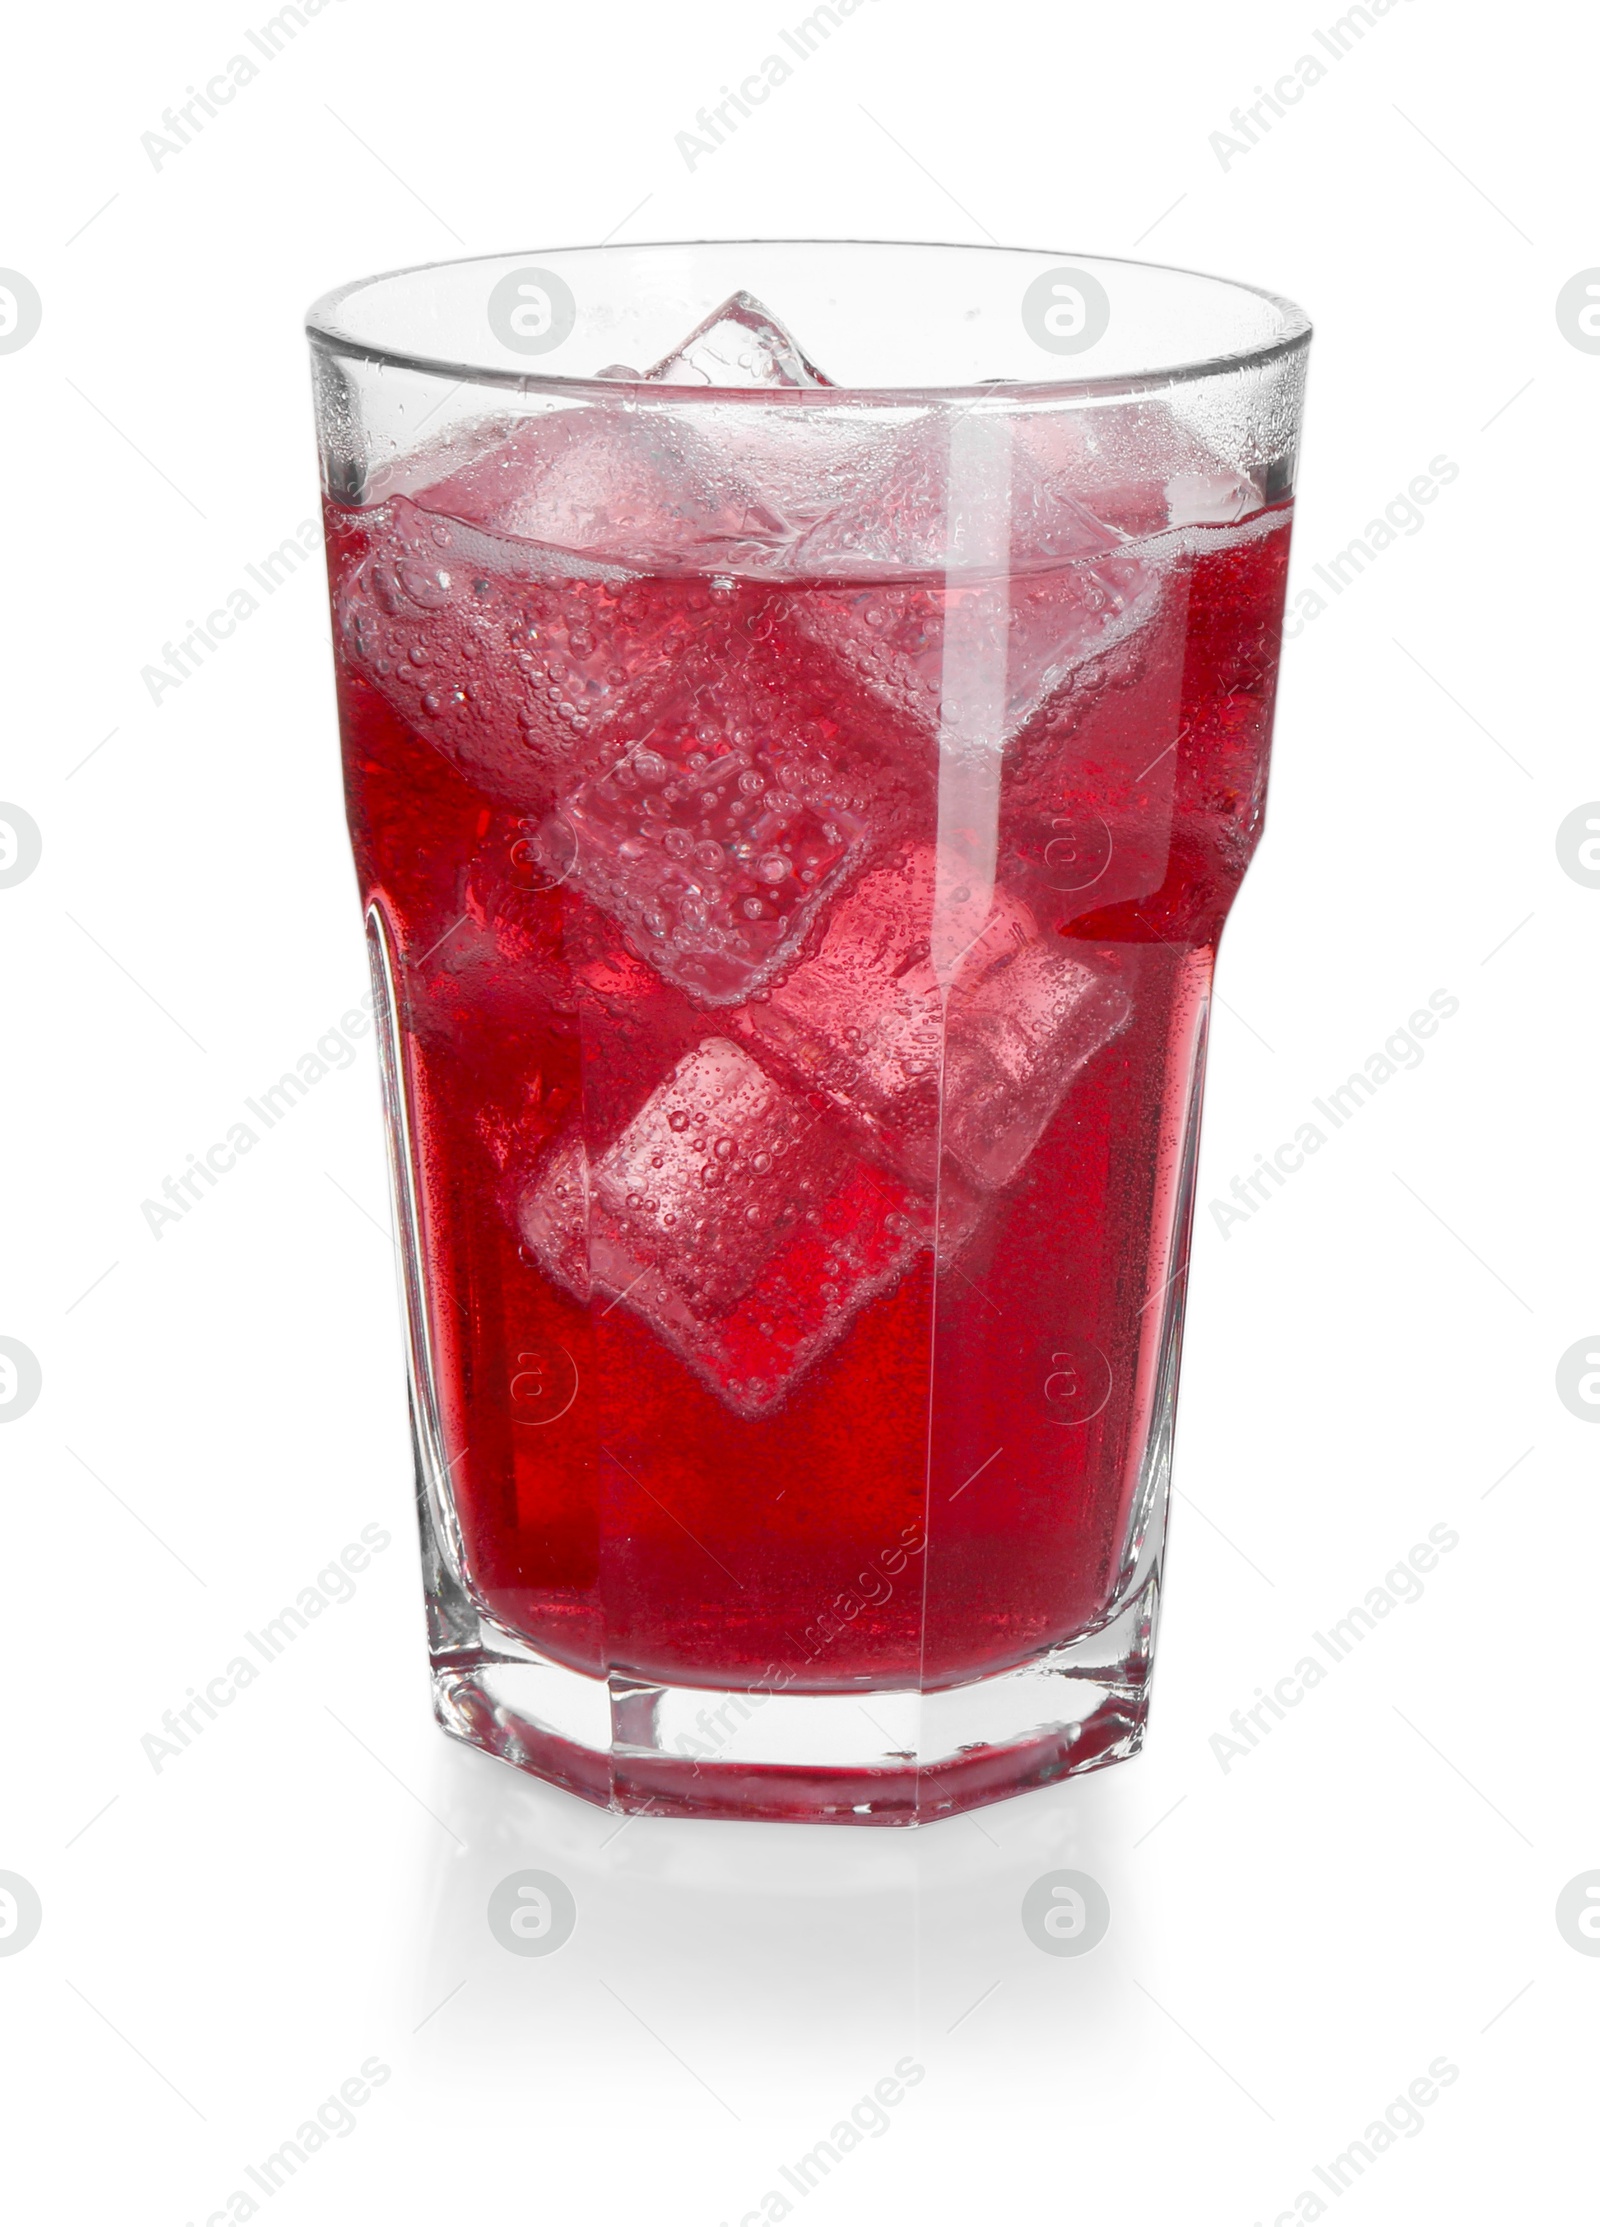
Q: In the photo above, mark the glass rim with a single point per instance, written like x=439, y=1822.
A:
x=324, y=331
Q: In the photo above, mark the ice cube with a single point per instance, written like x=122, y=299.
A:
x=716, y=840
x=653, y=485
x=739, y=345
x=713, y=1174
x=976, y=1074
x=516, y=665
x=859, y=1023
x=1139, y=466
x=1057, y=586
x=1087, y=498
x=891, y=638
x=898, y=517
x=554, y=1215
x=1019, y=1031
x=635, y=487
x=749, y=1306
x=1209, y=498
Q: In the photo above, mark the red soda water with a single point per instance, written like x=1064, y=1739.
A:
x=800, y=1171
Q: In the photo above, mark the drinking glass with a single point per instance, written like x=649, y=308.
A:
x=806, y=711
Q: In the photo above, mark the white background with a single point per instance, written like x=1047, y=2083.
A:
x=1294, y=1939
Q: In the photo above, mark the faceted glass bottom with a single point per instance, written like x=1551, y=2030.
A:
x=862, y=1757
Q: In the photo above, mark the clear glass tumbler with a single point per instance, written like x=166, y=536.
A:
x=806, y=710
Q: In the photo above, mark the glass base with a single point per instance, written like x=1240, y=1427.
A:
x=867, y=1757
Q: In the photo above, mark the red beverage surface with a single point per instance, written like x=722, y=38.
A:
x=660, y=860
